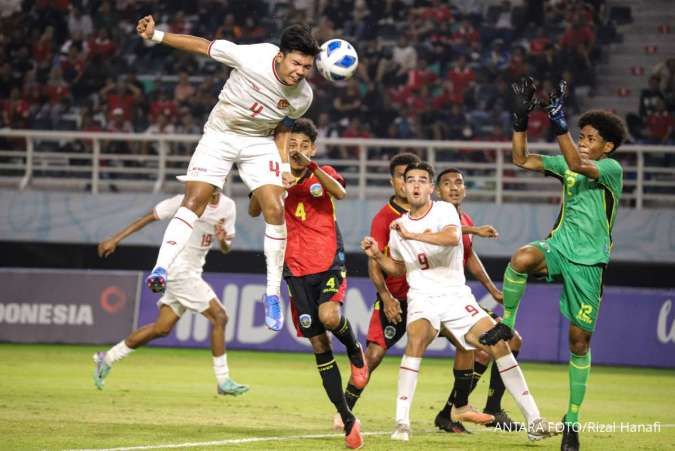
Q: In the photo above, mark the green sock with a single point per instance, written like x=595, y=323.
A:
x=579, y=369
x=514, y=287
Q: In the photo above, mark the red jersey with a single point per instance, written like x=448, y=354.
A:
x=467, y=239
x=379, y=229
x=314, y=243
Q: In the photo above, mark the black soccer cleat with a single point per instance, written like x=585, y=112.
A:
x=444, y=423
x=499, y=332
x=503, y=422
x=570, y=438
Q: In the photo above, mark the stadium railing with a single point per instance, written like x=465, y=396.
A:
x=100, y=161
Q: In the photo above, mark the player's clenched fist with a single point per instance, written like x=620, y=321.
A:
x=146, y=27
x=370, y=247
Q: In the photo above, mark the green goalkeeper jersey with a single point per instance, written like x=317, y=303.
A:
x=583, y=230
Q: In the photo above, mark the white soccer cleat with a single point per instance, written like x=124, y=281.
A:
x=540, y=429
x=402, y=432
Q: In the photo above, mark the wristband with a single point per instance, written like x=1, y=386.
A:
x=312, y=166
x=285, y=167
x=157, y=36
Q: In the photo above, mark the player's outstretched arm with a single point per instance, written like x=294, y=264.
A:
x=224, y=239
x=484, y=231
x=388, y=265
x=146, y=29
x=524, y=101
x=476, y=268
x=556, y=113
x=108, y=246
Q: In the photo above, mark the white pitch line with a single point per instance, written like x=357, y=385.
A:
x=239, y=441
x=233, y=441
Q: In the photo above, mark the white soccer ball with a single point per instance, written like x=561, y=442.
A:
x=337, y=60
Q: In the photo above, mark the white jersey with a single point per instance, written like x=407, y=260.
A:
x=254, y=100
x=431, y=270
x=190, y=262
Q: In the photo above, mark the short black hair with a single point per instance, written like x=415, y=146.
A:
x=448, y=171
x=306, y=127
x=402, y=159
x=608, y=125
x=298, y=38
x=422, y=166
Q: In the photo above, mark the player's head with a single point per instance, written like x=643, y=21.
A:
x=296, y=54
x=450, y=186
x=397, y=167
x=600, y=134
x=302, y=138
x=419, y=183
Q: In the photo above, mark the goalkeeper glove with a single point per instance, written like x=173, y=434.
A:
x=524, y=101
x=556, y=108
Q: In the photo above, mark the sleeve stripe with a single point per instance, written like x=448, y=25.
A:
x=208, y=52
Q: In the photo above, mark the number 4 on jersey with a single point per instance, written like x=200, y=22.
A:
x=256, y=108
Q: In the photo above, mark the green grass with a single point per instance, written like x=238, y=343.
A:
x=167, y=396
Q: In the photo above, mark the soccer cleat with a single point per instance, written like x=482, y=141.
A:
x=354, y=440
x=101, y=371
x=570, y=438
x=444, y=423
x=499, y=332
x=274, y=318
x=503, y=422
x=338, y=425
x=468, y=413
x=360, y=375
x=402, y=432
x=540, y=429
x=230, y=387
x=156, y=281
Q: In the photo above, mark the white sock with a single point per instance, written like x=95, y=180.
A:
x=407, y=381
x=117, y=352
x=275, y=249
x=514, y=381
x=176, y=236
x=220, y=368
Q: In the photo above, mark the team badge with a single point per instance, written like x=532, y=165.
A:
x=389, y=332
x=305, y=321
x=316, y=190
x=282, y=104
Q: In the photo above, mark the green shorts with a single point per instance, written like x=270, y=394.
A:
x=582, y=286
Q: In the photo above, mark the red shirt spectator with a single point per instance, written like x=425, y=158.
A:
x=538, y=125
x=101, y=45
x=576, y=35
x=660, y=125
x=461, y=77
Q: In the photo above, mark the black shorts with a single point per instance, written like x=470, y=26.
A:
x=381, y=331
x=307, y=293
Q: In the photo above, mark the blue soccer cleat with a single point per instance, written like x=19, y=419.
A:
x=156, y=281
x=101, y=370
x=230, y=387
x=274, y=318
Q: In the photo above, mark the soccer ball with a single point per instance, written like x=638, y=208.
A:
x=337, y=60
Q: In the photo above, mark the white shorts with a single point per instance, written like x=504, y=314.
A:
x=457, y=310
x=257, y=159
x=187, y=294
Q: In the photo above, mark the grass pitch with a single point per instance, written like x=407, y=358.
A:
x=162, y=397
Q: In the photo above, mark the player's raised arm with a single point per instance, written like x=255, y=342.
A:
x=576, y=161
x=333, y=186
x=390, y=266
x=146, y=29
x=108, y=246
x=524, y=101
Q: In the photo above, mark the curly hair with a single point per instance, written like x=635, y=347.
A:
x=306, y=127
x=609, y=126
